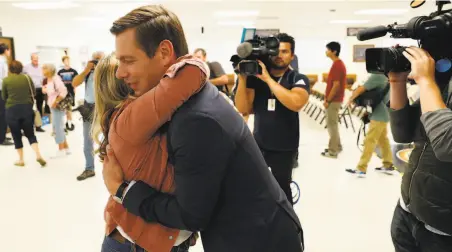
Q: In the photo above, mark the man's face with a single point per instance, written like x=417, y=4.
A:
x=285, y=56
x=329, y=53
x=35, y=59
x=137, y=70
x=200, y=56
x=66, y=62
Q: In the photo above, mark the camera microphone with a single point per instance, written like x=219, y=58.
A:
x=371, y=33
x=244, y=50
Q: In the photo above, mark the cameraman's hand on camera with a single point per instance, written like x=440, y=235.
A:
x=89, y=66
x=265, y=76
x=422, y=65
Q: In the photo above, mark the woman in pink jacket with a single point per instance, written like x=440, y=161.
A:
x=56, y=91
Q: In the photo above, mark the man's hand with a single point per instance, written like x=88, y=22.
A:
x=265, y=76
x=112, y=172
x=422, y=65
x=326, y=104
x=90, y=66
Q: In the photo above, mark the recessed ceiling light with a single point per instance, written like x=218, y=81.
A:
x=45, y=5
x=246, y=13
x=242, y=23
x=349, y=21
x=381, y=12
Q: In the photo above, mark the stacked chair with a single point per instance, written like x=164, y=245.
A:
x=315, y=109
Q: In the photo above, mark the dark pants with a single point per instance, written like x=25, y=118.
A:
x=21, y=118
x=112, y=245
x=410, y=235
x=3, y=124
x=40, y=100
x=281, y=164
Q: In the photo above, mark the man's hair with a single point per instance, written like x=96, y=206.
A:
x=334, y=47
x=16, y=67
x=153, y=24
x=3, y=48
x=65, y=58
x=285, y=38
x=203, y=51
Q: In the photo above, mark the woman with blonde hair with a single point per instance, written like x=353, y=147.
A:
x=130, y=127
x=56, y=91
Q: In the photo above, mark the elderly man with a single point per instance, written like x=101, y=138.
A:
x=34, y=70
x=87, y=76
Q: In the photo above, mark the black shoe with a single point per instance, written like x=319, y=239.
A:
x=7, y=143
x=86, y=174
x=389, y=170
x=39, y=129
x=70, y=127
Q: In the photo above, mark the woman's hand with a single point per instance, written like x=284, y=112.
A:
x=112, y=172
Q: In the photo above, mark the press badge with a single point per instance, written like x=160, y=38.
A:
x=271, y=104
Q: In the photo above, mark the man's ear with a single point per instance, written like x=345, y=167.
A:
x=167, y=53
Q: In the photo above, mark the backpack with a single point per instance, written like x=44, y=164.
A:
x=372, y=97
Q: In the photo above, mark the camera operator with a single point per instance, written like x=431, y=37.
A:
x=275, y=97
x=86, y=110
x=423, y=218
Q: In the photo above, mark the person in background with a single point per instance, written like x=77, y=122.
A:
x=275, y=98
x=377, y=134
x=334, y=96
x=34, y=70
x=56, y=91
x=4, y=54
x=294, y=63
x=67, y=74
x=87, y=76
x=217, y=75
x=18, y=93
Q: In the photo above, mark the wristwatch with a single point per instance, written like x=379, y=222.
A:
x=119, y=196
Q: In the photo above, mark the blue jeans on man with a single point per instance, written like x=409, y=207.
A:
x=88, y=150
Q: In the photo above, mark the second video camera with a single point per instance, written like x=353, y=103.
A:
x=249, y=52
x=434, y=33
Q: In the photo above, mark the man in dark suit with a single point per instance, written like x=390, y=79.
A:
x=224, y=187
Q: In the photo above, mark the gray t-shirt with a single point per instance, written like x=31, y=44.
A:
x=216, y=70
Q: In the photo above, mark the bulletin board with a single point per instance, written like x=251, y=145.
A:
x=359, y=52
x=10, y=43
x=52, y=55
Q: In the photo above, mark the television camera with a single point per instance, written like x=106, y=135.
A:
x=250, y=51
x=433, y=32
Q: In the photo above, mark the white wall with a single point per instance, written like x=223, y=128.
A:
x=84, y=37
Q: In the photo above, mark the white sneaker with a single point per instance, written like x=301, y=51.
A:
x=59, y=154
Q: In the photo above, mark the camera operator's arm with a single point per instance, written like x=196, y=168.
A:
x=295, y=98
x=79, y=79
x=244, y=97
x=436, y=117
x=403, y=117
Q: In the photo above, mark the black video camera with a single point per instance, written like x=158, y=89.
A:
x=249, y=52
x=434, y=33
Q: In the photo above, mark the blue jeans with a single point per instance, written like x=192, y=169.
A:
x=88, y=148
x=112, y=245
x=58, y=125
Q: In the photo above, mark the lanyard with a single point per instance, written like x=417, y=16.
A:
x=279, y=82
